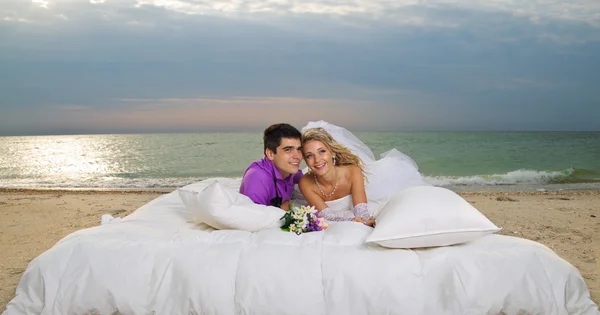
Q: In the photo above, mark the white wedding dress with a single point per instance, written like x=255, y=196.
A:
x=390, y=174
x=341, y=206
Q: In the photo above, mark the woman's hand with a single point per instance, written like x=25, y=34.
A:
x=368, y=222
x=359, y=220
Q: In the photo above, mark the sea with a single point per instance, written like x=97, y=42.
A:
x=462, y=161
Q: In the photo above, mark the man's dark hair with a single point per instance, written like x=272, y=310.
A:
x=273, y=134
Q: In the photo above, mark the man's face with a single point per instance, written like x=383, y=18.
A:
x=287, y=157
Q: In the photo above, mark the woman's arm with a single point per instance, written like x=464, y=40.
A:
x=358, y=186
x=359, y=195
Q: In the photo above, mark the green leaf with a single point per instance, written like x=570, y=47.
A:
x=287, y=220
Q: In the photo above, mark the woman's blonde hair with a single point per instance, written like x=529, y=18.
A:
x=343, y=156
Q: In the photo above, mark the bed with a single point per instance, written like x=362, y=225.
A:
x=157, y=261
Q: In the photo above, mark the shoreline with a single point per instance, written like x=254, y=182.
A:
x=34, y=220
x=86, y=190
x=461, y=190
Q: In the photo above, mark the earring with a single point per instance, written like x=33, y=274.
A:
x=334, y=160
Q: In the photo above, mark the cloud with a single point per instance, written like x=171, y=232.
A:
x=577, y=10
x=432, y=61
x=358, y=12
x=41, y=3
x=12, y=19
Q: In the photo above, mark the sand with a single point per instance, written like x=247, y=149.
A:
x=32, y=221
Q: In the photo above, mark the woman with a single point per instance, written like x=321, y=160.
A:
x=335, y=184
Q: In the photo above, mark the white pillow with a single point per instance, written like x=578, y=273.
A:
x=225, y=209
x=428, y=216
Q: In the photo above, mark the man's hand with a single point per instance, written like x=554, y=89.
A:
x=285, y=205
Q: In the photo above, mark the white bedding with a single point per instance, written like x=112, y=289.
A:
x=156, y=262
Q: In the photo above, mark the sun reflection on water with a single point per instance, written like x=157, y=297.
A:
x=122, y=160
x=75, y=157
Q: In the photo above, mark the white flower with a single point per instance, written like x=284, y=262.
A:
x=301, y=217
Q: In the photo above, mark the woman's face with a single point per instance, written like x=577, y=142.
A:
x=317, y=157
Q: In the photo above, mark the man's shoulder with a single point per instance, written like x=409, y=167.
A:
x=257, y=169
x=257, y=183
x=256, y=173
x=297, y=177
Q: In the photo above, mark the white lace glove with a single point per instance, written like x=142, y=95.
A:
x=361, y=210
x=335, y=216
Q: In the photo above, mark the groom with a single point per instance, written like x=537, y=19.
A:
x=270, y=181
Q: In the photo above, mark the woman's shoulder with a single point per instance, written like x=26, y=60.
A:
x=351, y=170
x=306, y=175
x=306, y=179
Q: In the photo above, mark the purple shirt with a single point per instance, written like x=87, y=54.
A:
x=257, y=182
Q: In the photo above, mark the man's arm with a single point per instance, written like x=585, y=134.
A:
x=258, y=186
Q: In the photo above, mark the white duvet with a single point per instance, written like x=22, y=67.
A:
x=156, y=262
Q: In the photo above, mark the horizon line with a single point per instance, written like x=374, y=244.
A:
x=359, y=130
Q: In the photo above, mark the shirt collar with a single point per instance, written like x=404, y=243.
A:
x=274, y=170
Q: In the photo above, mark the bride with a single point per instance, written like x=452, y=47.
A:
x=336, y=179
x=345, y=182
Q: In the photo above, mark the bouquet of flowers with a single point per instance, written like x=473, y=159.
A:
x=302, y=219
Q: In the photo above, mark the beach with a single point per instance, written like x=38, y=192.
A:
x=32, y=221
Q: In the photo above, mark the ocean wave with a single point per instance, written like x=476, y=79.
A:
x=522, y=176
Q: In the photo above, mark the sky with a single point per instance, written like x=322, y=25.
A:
x=128, y=66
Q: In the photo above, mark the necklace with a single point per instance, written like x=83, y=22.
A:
x=334, y=187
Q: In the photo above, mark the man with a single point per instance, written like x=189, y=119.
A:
x=270, y=181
